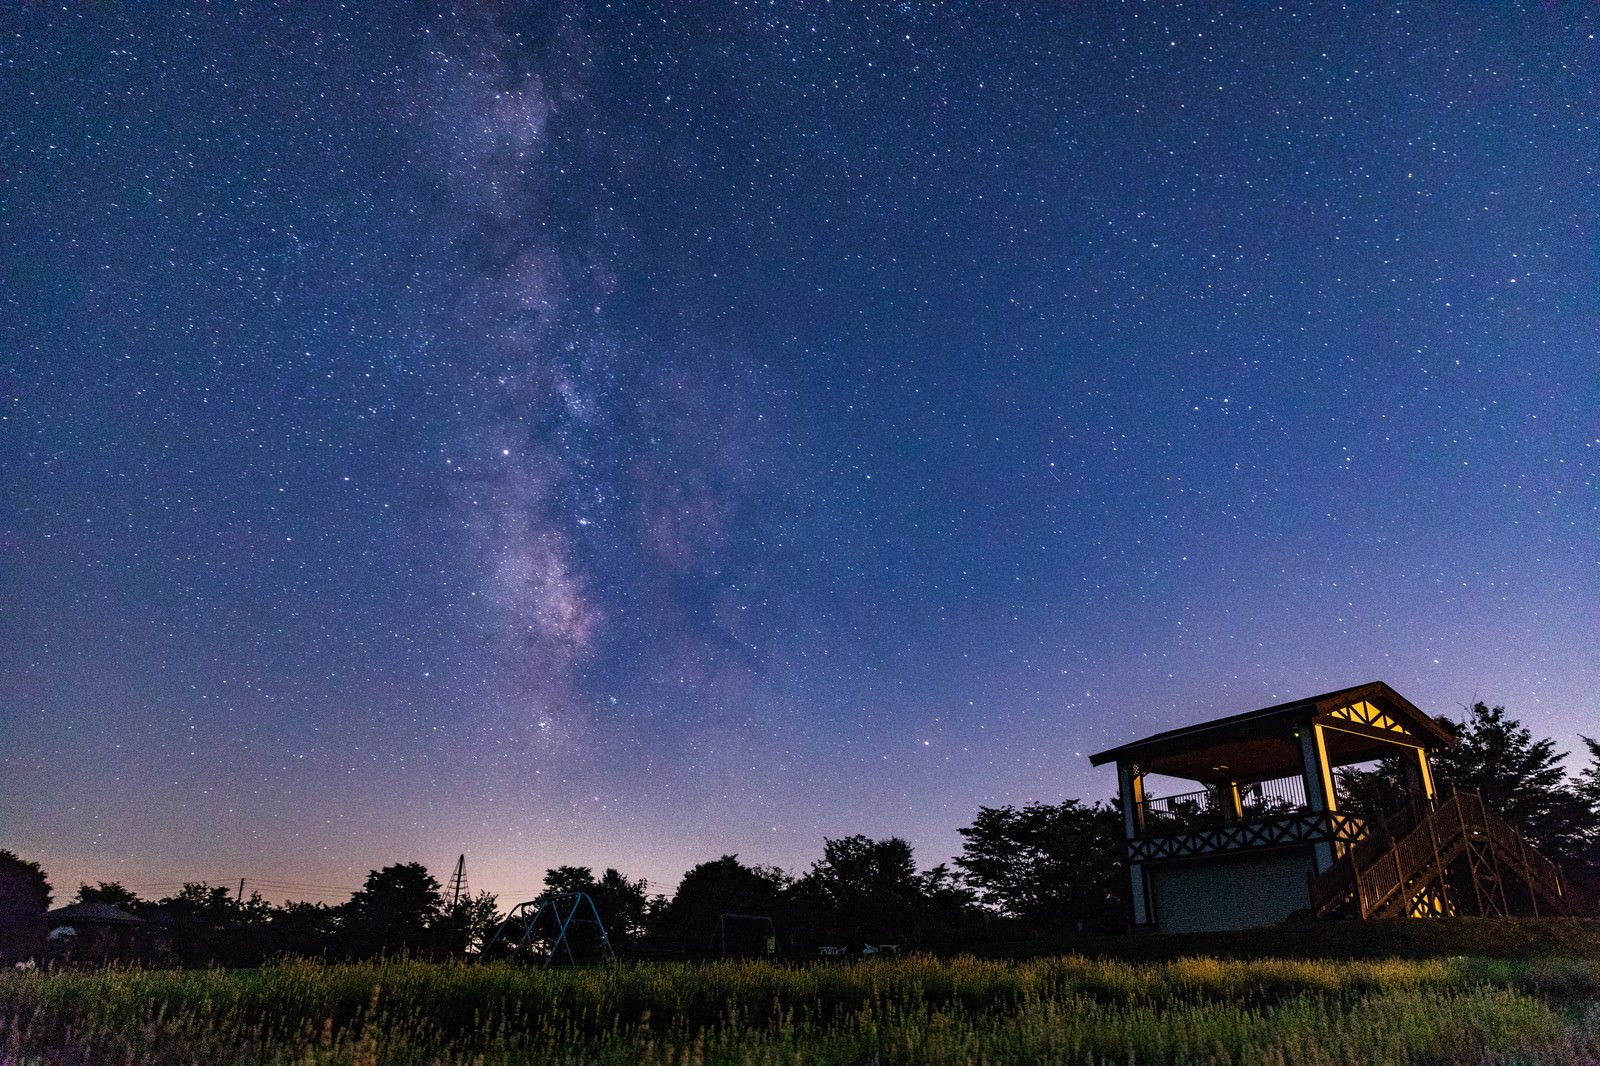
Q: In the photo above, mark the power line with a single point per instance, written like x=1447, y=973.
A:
x=300, y=884
x=214, y=882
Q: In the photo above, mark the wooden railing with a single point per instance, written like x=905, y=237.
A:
x=1381, y=880
x=1210, y=807
x=1538, y=871
x=1409, y=857
x=1165, y=814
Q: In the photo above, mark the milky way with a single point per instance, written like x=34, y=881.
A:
x=625, y=438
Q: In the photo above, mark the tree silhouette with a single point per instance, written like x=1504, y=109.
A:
x=568, y=879
x=712, y=889
x=624, y=906
x=113, y=893
x=302, y=928
x=1372, y=792
x=208, y=926
x=1587, y=867
x=24, y=898
x=1045, y=863
x=856, y=867
x=867, y=889
x=1519, y=777
x=471, y=921
x=948, y=899
x=397, y=909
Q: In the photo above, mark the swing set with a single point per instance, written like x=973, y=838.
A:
x=546, y=925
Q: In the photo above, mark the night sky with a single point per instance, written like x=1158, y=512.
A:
x=624, y=435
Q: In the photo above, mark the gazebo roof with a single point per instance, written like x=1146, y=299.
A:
x=1262, y=744
x=92, y=912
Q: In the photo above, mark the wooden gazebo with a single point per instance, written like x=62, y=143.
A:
x=1264, y=836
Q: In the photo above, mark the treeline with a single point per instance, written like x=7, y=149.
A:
x=1044, y=866
x=1040, y=870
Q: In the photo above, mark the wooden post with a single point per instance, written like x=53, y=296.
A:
x=1361, y=891
x=1130, y=784
x=1426, y=773
x=1319, y=785
x=1527, y=874
x=1444, y=884
x=1473, y=863
x=1399, y=872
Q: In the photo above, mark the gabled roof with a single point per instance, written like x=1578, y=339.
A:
x=1260, y=744
x=94, y=911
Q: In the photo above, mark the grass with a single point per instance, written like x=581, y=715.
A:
x=1069, y=1009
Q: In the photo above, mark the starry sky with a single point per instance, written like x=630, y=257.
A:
x=626, y=434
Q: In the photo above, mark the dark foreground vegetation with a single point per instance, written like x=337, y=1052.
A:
x=1065, y=1009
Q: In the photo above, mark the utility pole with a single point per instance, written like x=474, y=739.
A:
x=241, y=891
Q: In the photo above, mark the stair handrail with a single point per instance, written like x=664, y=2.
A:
x=1411, y=855
x=1374, y=871
x=1345, y=879
x=1511, y=840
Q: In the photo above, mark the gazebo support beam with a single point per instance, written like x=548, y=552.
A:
x=1319, y=783
x=1130, y=787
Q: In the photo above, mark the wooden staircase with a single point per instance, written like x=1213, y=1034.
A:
x=1458, y=858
